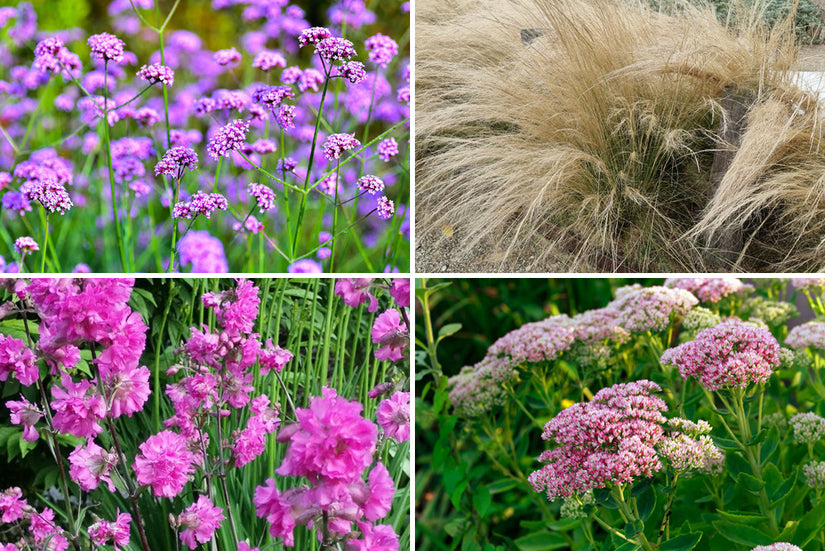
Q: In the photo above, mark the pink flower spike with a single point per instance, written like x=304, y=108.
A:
x=200, y=520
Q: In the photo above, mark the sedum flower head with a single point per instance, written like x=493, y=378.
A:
x=700, y=318
x=810, y=334
x=710, y=289
x=815, y=474
x=651, y=308
x=807, y=427
x=573, y=506
x=779, y=546
x=733, y=354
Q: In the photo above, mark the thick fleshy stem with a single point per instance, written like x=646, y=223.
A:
x=631, y=515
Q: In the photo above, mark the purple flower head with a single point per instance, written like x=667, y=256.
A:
x=811, y=334
x=305, y=266
x=25, y=245
x=273, y=358
x=371, y=184
x=77, y=409
x=17, y=358
x=387, y=148
x=49, y=193
x=394, y=416
x=48, y=46
x=732, y=354
x=199, y=522
x=156, y=72
x=268, y=59
x=227, y=57
x=264, y=195
x=391, y=335
x=355, y=291
x=353, y=71
x=338, y=143
x=103, y=532
x=381, y=49
x=176, y=160
x=400, y=291
x=228, y=138
x=272, y=96
x=27, y=414
x=335, y=48
x=200, y=203
x=313, y=36
x=106, y=47
x=286, y=116
x=204, y=252
x=164, y=463
x=386, y=208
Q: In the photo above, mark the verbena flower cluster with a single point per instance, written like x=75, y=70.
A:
x=324, y=127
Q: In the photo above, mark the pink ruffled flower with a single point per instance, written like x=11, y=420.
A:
x=128, y=391
x=165, y=463
x=200, y=520
x=273, y=358
x=390, y=333
x=12, y=504
x=381, y=490
x=17, y=358
x=356, y=291
x=235, y=309
x=400, y=291
x=277, y=508
x=91, y=465
x=27, y=414
x=118, y=532
x=331, y=440
x=373, y=538
x=78, y=408
x=394, y=416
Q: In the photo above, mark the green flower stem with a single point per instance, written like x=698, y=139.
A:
x=630, y=513
x=302, y=206
x=45, y=220
x=335, y=218
x=120, y=245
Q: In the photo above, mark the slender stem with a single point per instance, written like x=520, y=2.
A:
x=120, y=246
x=335, y=218
x=286, y=393
x=302, y=206
x=174, y=226
x=222, y=476
x=45, y=242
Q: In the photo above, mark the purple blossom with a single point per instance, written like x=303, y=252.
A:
x=272, y=96
x=48, y=192
x=286, y=116
x=387, y=148
x=228, y=138
x=25, y=245
x=313, y=36
x=204, y=252
x=305, y=266
x=335, y=48
x=200, y=203
x=381, y=49
x=371, y=184
x=338, y=143
x=106, y=47
x=353, y=71
x=226, y=57
x=385, y=208
x=176, y=160
x=268, y=59
x=264, y=195
x=157, y=73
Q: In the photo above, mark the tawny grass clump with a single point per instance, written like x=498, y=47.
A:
x=624, y=138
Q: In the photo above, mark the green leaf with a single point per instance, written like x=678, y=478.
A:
x=758, y=439
x=646, y=502
x=738, y=533
x=742, y=518
x=633, y=528
x=502, y=486
x=749, y=482
x=726, y=444
x=541, y=541
x=447, y=330
x=685, y=542
x=770, y=445
x=810, y=525
x=482, y=500
x=777, y=495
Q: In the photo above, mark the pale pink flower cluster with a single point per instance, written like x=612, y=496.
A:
x=733, y=354
x=710, y=289
x=478, y=388
x=654, y=308
x=807, y=427
x=332, y=446
x=619, y=436
x=808, y=334
x=540, y=341
x=779, y=546
x=609, y=440
x=811, y=284
x=815, y=474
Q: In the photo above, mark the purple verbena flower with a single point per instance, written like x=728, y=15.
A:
x=267, y=59
x=48, y=192
x=25, y=245
x=200, y=203
x=272, y=96
x=338, y=143
x=313, y=36
x=371, y=184
x=335, y=48
x=106, y=47
x=226, y=57
x=228, y=138
x=264, y=195
x=387, y=148
x=176, y=160
x=381, y=49
x=156, y=72
x=353, y=71
x=386, y=208
x=305, y=266
x=204, y=252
